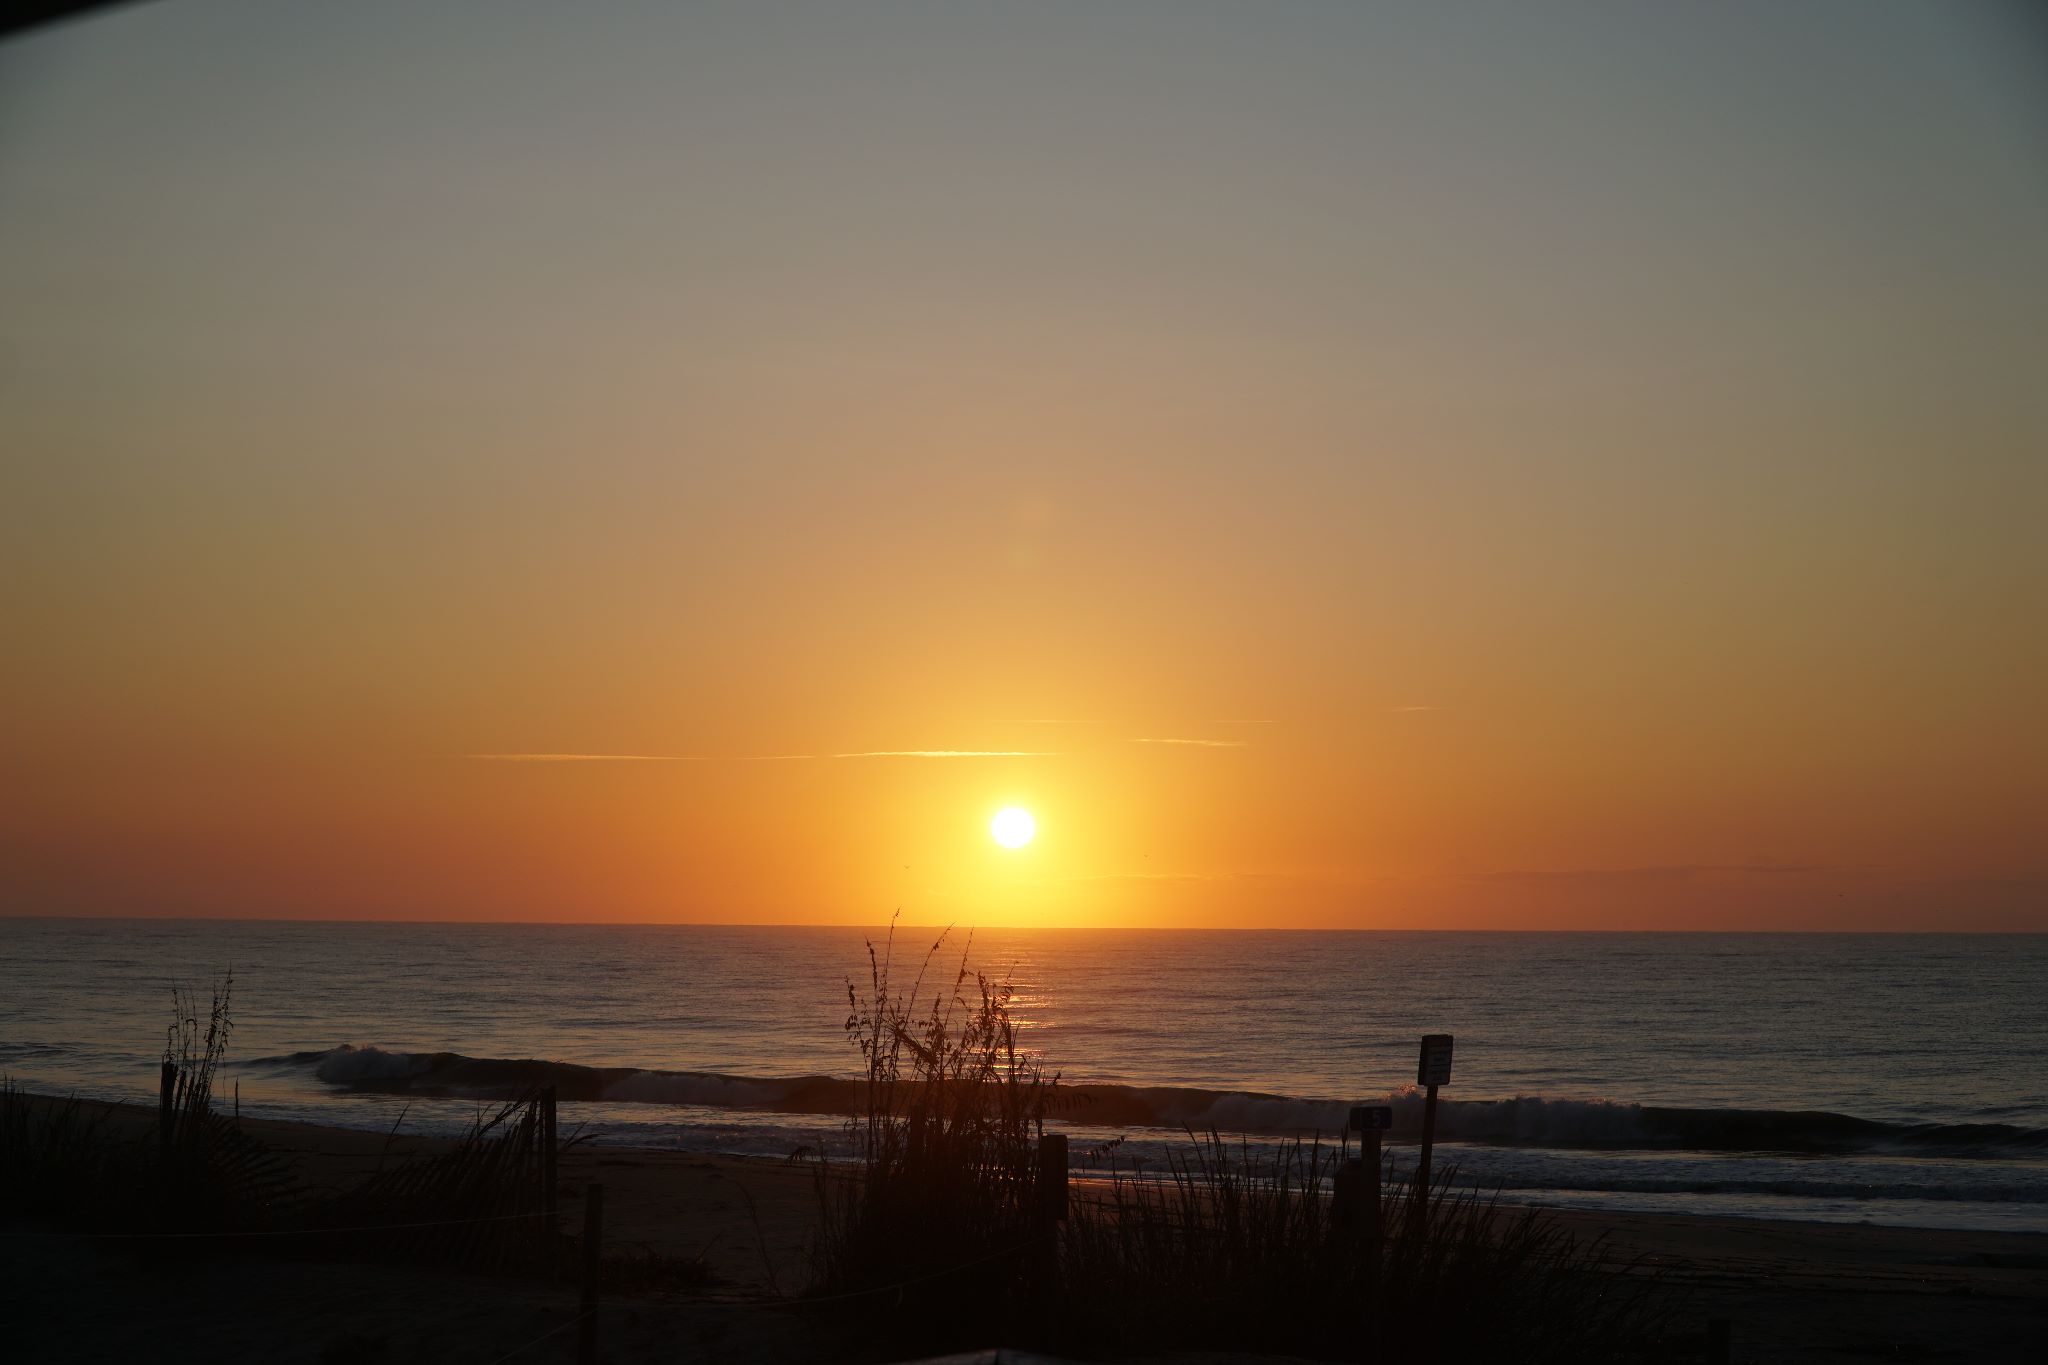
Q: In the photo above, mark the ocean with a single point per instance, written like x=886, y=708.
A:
x=1889, y=1079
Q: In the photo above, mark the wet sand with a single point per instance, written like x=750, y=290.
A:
x=1792, y=1292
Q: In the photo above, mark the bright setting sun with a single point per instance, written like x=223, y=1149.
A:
x=1013, y=827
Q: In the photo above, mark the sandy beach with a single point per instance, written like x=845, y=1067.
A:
x=1790, y=1291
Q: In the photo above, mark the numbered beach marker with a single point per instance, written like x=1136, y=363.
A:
x=1371, y=1118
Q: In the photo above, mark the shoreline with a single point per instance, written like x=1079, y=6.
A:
x=347, y=1142
x=1836, y=1201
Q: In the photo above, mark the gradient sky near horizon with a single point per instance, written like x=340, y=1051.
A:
x=1561, y=466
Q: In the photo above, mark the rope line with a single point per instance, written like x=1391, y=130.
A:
x=552, y=1332
x=269, y=1232
x=892, y=1288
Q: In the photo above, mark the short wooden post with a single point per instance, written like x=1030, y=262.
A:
x=593, y=1266
x=166, y=1111
x=1431, y=1071
x=548, y=1188
x=1052, y=1178
x=1358, y=1192
x=1347, y=1198
x=1720, y=1341
x=1358, y=1187
x=1369, y=1159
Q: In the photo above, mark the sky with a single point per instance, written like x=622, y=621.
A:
x=1337, y=465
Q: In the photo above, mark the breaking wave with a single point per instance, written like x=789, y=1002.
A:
x=1525, y=1121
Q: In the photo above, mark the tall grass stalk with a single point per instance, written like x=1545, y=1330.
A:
x=195, y=1047
x=212, y=1176
x=940, y=1198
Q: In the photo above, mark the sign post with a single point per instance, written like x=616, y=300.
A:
x=1433, y=1070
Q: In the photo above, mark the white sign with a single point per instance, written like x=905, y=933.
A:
x=1435, y=1067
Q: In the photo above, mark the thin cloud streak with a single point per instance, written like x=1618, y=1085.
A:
x=589, y=758
x=942, y=753
x=1676, y=872
x=760, y=758
x=1198, y=725
x=1200, y=743
x=1128, y=879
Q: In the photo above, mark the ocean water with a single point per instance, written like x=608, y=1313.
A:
x=1883, y=1078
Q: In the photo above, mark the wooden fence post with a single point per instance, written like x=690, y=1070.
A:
x=1369, y=1158
x=1720, y=1341
x=548, y=1187
x=593, y=1267
x=1051, y=1212
x=166, y=1111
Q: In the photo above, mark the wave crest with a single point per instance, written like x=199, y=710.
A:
x=1524, y=1121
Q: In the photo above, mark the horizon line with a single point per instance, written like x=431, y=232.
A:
x=956, y=923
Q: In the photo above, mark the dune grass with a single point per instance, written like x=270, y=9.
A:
x=59, y=1158
x=939, y=1202
x=1238, y=1246
x=935, y=1235
x=195, y=1172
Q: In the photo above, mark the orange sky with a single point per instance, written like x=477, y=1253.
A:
x=1380, y=471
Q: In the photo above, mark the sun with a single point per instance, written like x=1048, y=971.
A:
x=1013, y=827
